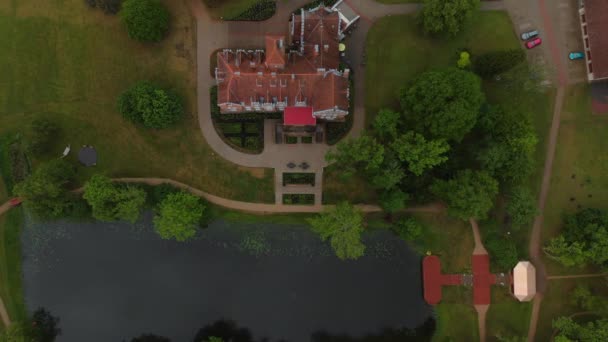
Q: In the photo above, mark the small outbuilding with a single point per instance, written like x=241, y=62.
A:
x=524, y=281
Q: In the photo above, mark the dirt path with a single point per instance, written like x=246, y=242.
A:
x=574, y=276
x=3, y=313
x=482, y=312
x=479, y=247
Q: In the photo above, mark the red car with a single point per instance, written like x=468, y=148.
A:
x=530, y=44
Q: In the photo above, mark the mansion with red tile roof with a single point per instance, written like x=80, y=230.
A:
x=290, y=73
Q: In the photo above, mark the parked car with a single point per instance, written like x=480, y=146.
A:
x=529, y=35
x=576, y=55
x=530, y=44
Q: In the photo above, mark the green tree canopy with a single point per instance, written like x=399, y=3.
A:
x=521, y=206
x=570, y=330
x=360, y=153
x=443, y=104
x=178, y=216
x=150, y=338
x=111, y=202
x=447, y=16
x=342, y=226
x=420, y=154
x=386, y=124
x=468, y=195
x=146, y=20
x=584, y=240
x=45, y=192
x=509, y=143
x=393, y=200
x=502, y=250
x=409, y=229
x=151, y=106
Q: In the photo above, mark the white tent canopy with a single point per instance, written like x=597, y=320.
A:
x=524, y=281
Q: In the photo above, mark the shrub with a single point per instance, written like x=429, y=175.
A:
x=502, y=250
x=44, y=132
x=148, y=104
x=260, y=10
x=493, y=63
x=146, y=20
x=464, y=61
x=107, y=6
x=409, y=229
x=178, y=216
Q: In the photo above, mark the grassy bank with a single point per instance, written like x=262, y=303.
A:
x=10, y=264
x=67, y=62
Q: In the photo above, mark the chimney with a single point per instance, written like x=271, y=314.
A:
x=346, y=73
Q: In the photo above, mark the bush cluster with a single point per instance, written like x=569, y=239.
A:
x=149, y=105
x=261, y=10
x=494, y=63
x=146, y=20
x=107, y=6
x=44, y=132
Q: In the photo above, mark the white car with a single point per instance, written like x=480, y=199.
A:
x=529, y=34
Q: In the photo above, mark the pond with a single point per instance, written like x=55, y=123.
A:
x=115, y=281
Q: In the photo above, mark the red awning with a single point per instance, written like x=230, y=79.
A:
x=299, y=116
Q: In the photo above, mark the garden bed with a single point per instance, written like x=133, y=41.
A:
x=298, y=178
x=242, y=10
x=299, y=199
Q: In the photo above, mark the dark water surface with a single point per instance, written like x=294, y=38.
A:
x=114, y=281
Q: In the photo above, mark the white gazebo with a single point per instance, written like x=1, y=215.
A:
x=524, y=281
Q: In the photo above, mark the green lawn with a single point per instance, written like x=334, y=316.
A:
x=579, y=179
x=67, y=62
x=580, y=166
x=10, y=264
x=556, y=304
x=397, y=51
x=456, y=317
x=507, y=317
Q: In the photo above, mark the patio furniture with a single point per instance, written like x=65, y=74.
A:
x=87, y=156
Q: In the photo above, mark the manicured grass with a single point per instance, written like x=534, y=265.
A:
x=450, y=239
x=507, y=317
x=556, y=302
x=456, y=317
x=66, y=62
x=397, y=52
x=580, y=167
x=10, y=264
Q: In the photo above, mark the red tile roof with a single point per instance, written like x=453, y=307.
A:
x=299, y=116
x=596, y=13
x=273, y=79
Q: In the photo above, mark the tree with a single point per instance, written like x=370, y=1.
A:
x=420, y=154
x=393, y=200
x=342, y=226
x=585, y=299
x=360, y=153
x=569, y=330
x=469, y=195
x=111, y=201
x=521, y=206
x=502, y=250
x=494, y=63
x=386, y=124
x=44, y=132
x=146, y=20
x=151, y=106
x=447, y=16
x=150, y=338
x=45, y=326
x=464, y=61
x=108, y=6
x=584, y=240
x=178, y=216
x=508, y=144
x=443, y=104
x=409, y=229
x=388, y=176
x=45, y=191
